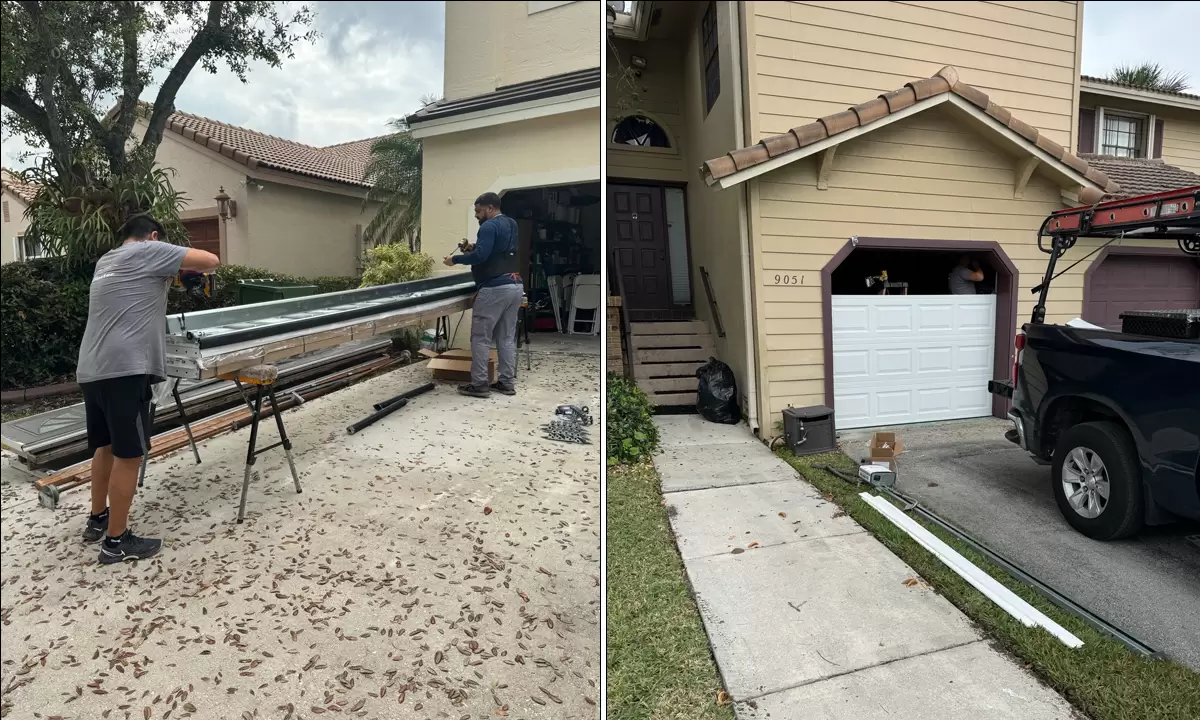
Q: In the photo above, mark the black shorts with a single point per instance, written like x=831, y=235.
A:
x=118, y=414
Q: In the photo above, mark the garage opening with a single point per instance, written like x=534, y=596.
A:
x=559, y=253
x=906, y=344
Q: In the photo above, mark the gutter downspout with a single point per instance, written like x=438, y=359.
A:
x=740, y=130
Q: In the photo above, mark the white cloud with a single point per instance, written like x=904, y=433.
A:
x=1127, y=33
x=373, y=62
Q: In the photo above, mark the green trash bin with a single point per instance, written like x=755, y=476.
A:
x=250, y=292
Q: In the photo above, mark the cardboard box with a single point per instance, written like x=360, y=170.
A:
x=884, y=448
x=455, y=365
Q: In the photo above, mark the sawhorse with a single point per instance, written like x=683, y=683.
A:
x=263, y=378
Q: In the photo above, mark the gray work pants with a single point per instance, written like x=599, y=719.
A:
x=494, y=319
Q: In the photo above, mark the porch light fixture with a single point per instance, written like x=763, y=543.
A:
x=226, y=207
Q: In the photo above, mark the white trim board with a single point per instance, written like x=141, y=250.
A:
x=1124, y=93
x=544, y=107
x=1058, y=167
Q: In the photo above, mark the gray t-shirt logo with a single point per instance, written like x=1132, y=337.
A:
x=127, y=307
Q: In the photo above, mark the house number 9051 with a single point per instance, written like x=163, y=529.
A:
x=789, y=279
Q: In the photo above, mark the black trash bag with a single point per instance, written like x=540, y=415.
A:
x=717, y=400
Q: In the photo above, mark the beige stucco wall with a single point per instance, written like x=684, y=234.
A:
x=459, y=167
x=931, y=176
x=299, y=231
x=660, y=96
x=12, y=227
x=817, y=58
x=489, y=45
x=715, y=220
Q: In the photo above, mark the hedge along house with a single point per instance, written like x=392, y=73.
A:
x=835, y=142
x=268, y=202
x=519, y=117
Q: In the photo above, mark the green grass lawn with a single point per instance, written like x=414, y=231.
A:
x=659, y=663
x=1103, y=678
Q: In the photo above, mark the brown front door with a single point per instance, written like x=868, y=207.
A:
x=637, y=235
x=1141, y=282
x=204, y=235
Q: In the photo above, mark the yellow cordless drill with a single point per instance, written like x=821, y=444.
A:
x=195, y=283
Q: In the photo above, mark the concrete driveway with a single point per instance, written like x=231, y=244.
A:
x=968, y=473
x=443, y=563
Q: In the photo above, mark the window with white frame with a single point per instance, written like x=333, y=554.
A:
x=1123, y=134
x=30, y=248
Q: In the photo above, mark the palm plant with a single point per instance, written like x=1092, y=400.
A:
x=394, y=172
x=1151, y=76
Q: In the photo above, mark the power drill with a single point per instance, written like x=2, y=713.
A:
x=195, y=283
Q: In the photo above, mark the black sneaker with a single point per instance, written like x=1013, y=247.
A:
x=95, y=529
x=129, y=547
x=474, y=391
x=504, y=389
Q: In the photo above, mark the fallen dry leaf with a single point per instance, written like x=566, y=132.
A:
x=487, y=509
x=722, y=698
x=754, y=545
x=911, y=581
x=782, y=514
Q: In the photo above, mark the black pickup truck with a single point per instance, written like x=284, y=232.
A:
x=1116, y=414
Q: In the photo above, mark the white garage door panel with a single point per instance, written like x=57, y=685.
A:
x=904, y=359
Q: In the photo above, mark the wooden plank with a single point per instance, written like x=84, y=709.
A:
x=669, y=385
x=655, y=370
x=674, y=399
x=669, y=328
x=674, y=341
x=673, y=356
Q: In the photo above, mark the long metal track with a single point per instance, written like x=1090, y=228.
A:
x=1046, y=591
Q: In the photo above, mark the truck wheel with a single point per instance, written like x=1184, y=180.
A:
x=1097, y=481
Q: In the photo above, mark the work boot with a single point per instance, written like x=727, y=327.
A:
x=128, y=547
x=96, y=526
x=474, y=391
x=504, y=389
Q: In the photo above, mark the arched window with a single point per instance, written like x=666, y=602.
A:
x=640, y=131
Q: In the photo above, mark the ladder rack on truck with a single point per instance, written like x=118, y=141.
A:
x=1171, y=215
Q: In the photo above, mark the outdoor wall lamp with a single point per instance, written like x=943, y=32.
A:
x=226, y=207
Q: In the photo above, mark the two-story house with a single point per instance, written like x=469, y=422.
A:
x=792, y=184
x=520, y=117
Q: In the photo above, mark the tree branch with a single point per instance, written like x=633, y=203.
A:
x=164, y=104
x=131, y=89
x=22, y=103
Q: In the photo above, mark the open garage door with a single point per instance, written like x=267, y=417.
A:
x=912, y=358
x=1140, y=282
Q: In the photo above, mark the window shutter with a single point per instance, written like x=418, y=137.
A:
x=1158, y=132
x=1087, y=131
x=6, y=218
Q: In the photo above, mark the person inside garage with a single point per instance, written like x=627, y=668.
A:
x=965, y=276
x=500, y=290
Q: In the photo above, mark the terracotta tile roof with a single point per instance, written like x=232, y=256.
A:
x=1142, y=177
x=255, y=149
x=945, y=81
x=14, y=184
x=360, y=150
x=1114, y=83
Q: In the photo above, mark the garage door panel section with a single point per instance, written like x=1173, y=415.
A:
x=905, y=359
x=1121, y=283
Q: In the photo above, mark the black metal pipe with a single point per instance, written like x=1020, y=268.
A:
x=407, y=394
x=377, y=415
x=311, y=321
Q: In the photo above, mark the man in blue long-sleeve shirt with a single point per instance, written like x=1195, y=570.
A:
x=493, y=262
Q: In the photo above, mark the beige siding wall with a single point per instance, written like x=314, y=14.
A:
x=816, y=58
x=11, y=227
x=660, y=95
x=302, y=232
x=489, y=45
x=1181, y=141
x=932, y=176
x=715, y=218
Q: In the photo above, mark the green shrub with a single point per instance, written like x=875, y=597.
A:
x=387, y=264
x=629, y=422
x=43, y=309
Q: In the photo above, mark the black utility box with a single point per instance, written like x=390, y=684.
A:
x=1174, y=324
x=809, y=430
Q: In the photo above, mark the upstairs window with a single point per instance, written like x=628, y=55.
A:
x=1123, y=135
x=640, y=131
x=710, y=65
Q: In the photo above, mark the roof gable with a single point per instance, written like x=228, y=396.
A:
x=13, y=184
x=917, y=96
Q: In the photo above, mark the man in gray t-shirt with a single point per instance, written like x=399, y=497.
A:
x=964, y=276
x=122, y=355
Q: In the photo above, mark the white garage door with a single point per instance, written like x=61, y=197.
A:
x=915, y=358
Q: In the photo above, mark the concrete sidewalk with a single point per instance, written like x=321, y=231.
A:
x=808, y=615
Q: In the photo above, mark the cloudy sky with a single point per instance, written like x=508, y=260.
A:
x=375, y=60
